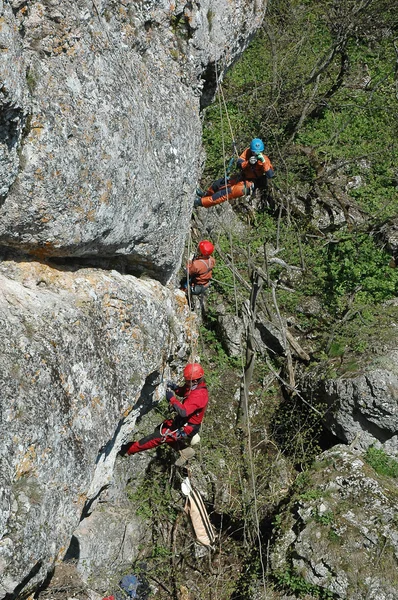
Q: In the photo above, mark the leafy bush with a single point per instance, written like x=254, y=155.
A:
x=381, y=462
x=293, y=582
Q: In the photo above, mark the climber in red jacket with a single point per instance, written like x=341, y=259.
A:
x=190, y=412
x=255, y=168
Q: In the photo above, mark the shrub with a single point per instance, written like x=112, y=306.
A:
x=381, y=462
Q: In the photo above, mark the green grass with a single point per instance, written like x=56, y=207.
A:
x=381, y=462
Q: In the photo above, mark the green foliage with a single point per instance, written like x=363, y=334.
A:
x=303, y=480
x=323, y=125
x=153, y=498
x=292, y=582
x=277, y=522
x=297, y=431
x=356, y=266
x=351, y=107
x=251, y=571
x=312, y=494
x=162, y=552
x=334, y=537
x=350, y=276
x=381, y=462
x=326, y=518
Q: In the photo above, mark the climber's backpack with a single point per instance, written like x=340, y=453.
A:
x=196, y=509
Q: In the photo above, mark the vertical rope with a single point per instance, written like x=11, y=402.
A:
x=249, y=441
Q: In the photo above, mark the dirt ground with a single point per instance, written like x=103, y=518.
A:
x=66, y=584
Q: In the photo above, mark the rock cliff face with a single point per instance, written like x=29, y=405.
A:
x=82, y=355
x=100, y=151
x=341, y=535
x=362, y=405
x=100, y=135
x=365, y=407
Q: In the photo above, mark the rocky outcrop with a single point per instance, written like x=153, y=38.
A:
x=365, y=408
x=326, y=200
x=388, y=234
x=339, y=532
x=100, y=133
x=83, y=353
x=362, y=405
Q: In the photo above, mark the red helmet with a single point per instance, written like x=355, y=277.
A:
x=206, y=248
x=193, y=371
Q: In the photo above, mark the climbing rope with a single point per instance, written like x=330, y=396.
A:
x=221, y=95
x=249, y=440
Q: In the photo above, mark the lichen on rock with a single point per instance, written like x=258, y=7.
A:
x=83, y=355
x=340, y=531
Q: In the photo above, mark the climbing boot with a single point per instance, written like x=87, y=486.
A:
x=197, y=202
x=185, y=455
x=199, y=192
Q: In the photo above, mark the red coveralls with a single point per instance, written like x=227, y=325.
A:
x=241, y=183
x=186, y=423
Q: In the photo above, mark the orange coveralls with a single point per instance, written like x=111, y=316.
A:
x=239, y=184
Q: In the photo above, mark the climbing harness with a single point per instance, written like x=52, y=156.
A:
x=176, y=434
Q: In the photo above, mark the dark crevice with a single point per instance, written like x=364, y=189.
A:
x=11, y=124
x=34, y=570
x=89, y=505
x=14, y=127
x=209, y=85
x=44, y=585
x=73, y=551
x=123, y=264
x=374, y=430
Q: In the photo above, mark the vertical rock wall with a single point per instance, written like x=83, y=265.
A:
x=100, y=134
x=82, y=355
x=100, y=152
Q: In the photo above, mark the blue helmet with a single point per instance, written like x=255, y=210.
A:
x=129, y=584
x=257, y=145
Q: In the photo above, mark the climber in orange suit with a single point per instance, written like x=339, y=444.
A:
x=200, y=269
x=255, y=168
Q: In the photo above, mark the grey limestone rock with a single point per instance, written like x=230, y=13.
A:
x=100, y=152
x=100, y=131
x=84, y=353
x=14, y=100
x=230, y=331
x=340, y=532
x=363, y=407
x=108, y=536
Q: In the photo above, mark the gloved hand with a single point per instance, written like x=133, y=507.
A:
x=261, y=158
x=169, y=395
x=171, y=385
x=253, y=160
x=123, y=449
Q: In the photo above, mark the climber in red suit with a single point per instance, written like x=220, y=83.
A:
x=190, y=412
